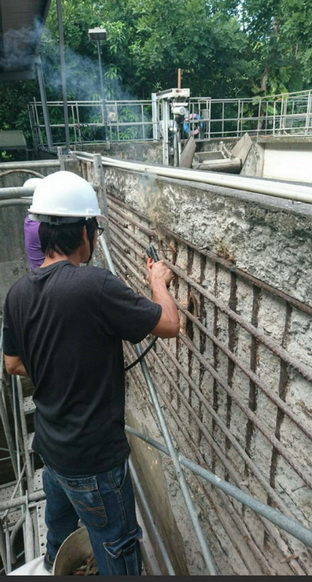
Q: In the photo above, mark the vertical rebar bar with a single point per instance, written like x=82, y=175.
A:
x=179, y=473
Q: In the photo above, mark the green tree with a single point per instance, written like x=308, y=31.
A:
x=225, y=48
x=278, y=33
x=148, y=41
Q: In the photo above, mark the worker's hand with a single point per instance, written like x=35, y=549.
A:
x=158, y=273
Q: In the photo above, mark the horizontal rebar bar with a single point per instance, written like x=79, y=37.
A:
x=226, y=264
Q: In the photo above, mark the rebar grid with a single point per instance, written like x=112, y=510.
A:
x=210, y=497
x=170, y=366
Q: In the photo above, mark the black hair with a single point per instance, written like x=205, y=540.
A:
x=67, y=237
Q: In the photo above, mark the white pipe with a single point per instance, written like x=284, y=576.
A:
x=258, y=185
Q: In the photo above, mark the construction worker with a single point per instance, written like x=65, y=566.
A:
x=31, y=235
x=63, y=327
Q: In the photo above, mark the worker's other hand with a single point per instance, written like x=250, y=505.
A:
x=158, y=273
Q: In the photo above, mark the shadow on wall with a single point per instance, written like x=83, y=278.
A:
x=13, y=260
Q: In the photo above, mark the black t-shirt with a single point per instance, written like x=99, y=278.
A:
x=67, y=324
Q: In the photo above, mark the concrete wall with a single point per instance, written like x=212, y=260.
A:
x=13, y=263
x=269, y=240
x=13, y=260
x=288, y=159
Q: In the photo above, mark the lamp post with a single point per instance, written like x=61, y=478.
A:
x=98, y=34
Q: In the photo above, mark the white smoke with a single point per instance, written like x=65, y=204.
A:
x=19, y=46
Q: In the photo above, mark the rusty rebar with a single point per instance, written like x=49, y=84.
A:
x=224, y=460
x=305, y=371
x=226, y=264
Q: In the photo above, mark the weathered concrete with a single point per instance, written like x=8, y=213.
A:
x=270, y=238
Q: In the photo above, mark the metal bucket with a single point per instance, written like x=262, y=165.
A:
x=72, y=553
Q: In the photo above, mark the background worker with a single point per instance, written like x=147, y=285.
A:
x=63, y=326
x=31, y=233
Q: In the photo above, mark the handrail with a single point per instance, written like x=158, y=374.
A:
x=258, y=185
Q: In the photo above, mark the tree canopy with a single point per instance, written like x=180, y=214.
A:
x=225, y=48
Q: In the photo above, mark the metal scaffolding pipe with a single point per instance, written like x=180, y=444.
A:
x=22, y=500
x=45, y=110
x=258, y=185
x=30, y=164
x=63, y=69
x=293, y=527
x=29, y=534
x=149, y=516
x=15, y=192
x=14, y=202
x=4, y=414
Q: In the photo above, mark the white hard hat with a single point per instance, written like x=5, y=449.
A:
x=31, y=182
x=65, y=195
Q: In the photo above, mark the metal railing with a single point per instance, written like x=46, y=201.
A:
x=140, y=120
x=93, y=121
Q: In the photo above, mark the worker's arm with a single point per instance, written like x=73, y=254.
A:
x=14, y=365
x=159, y=277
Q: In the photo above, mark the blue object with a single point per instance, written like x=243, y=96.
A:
x=197, y=126
x=105, y=504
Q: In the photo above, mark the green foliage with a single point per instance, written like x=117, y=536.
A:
x=225, y=48
x=14, y=98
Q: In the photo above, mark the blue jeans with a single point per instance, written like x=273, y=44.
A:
x=105, y=505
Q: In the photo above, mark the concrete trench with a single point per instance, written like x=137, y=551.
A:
x=235, y=387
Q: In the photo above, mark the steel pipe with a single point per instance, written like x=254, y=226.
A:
x=291, y=526
x=258, y=185
x=21, y=166
x=22, y=500
x=149, y=516
x=16, y=192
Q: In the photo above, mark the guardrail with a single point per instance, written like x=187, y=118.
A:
x=140, y=120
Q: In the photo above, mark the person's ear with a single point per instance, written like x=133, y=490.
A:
x=85, y=234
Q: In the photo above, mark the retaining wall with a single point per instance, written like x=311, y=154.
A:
x=236, y=392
